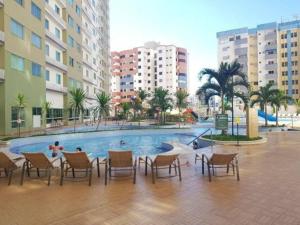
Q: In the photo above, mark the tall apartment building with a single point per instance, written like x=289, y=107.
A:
x=146, y=68
x=268, y=53
x=47, y=48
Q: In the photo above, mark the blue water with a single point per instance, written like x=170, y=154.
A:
x=142, y=142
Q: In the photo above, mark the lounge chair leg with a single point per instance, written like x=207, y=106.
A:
x=227, y=171
x=202, y=164
x=62, y=174
x=175, y=168
x=23, y=172
x=152, y=171
x=134, y=173
x=10, y=173
x=98, y=167
x=170, y=169
x=38, y=172
x=156, y=170
x=73, y=172
x=179, y=169
x=209, y=175
x=195, y=159
x=237, y=171
x=146, y=166
x=49, y=176
x=90, y=176
x=28, y=168
x=106, y=173
x=6, y=172
x=233, y=169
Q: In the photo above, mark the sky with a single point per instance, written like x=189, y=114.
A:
x=191, y=24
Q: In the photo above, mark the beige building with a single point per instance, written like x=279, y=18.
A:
x=46, y=48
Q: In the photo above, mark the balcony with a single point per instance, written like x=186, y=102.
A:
x=90, y=96
x=270, y=56
x=270, y=36
x=59, y=42
x=63, y=3
x=56, y=88
x=55, y=16
x=2, y=37
x=1, y=3
x=56, y=64
x=270, y=47
x=88, y=79
x=88, y=63
x=271, y=66
x=2, y=75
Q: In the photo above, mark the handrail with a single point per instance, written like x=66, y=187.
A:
x=199, y=136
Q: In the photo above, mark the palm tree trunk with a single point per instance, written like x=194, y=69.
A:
x=222, y=104
x=232, y=117
x=266, y=121
x=99, y=120
x=276, y=117
x=75, y=120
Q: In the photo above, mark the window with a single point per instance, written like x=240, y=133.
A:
x=17, y=29
x=46, y=24
x=78, y=10
x=57, y=10
x=70, y=41
x=47, y=75
x=15, y=113
x=71, y=61
x=70, y=21
x=70, y=2
x=58, y=78
x=17, y=63
x=35, y=11
x=57, y=32
x=36, y=40
x=36, y=69
x=57, y=56
x=20, y=2
x=77, y=28
x=47, y=49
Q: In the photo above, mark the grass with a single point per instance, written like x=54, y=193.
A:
x=221, y=137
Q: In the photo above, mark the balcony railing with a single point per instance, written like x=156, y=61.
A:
x=56, y=40
x=57, y=88
x=55, y=16
x=271, y=66
x=90, y=80
x=2, y=37
x=270, y=56
x=56, y=64
x=2, y=75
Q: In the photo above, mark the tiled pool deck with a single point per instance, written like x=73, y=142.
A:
x=268, y=193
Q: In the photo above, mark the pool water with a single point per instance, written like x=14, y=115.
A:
x=98, y=143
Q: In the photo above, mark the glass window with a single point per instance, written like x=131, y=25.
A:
x=46, y=24
x=78, y=10
x=17, y=29
x=71, y=61
x=57, y=56
x=17, y=63
x=47, y=50
x=70, y=2
x=36, y=69
x=57, y=32
x=70, y=21
x=58, y=78
x=77, y=28
x=47, y=75
x=36, y=40
x=17, y=115
x=36, y=11
x=20, y=2
x=70, y=41
x=57, y=9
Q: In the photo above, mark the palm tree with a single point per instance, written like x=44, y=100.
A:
x=21, y=103
x=45, y=109
x=143, y=95
x=136, y=105
x=78, y=97
x=162, y=101
x=278, y=100
x=297, y=104
x=103, y=107
x=222, y=83
x=263, y=97
x=126, y=106
x=181, y=101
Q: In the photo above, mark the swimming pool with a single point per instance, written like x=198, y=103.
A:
x=141, y=142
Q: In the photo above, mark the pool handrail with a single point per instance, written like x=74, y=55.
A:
x=199, y=136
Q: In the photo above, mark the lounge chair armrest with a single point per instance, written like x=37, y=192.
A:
x=205, y=157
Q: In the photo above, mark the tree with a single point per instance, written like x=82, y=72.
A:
x=103, y=107
x=181, y=101
x=297, y=104
x=126, y=106
x=162, y=101
x=223, y=83
x=279, y=99
x=77, y=99
x=45, y=109
x=263, y=97
x=21, y=103
x=136, y=105
x=143, y=95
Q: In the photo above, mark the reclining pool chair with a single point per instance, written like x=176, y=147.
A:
x=38, y=161
x=163, y=162
x=78, y=162
x=9, y=165
x=120, y=161
x=221, y=161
